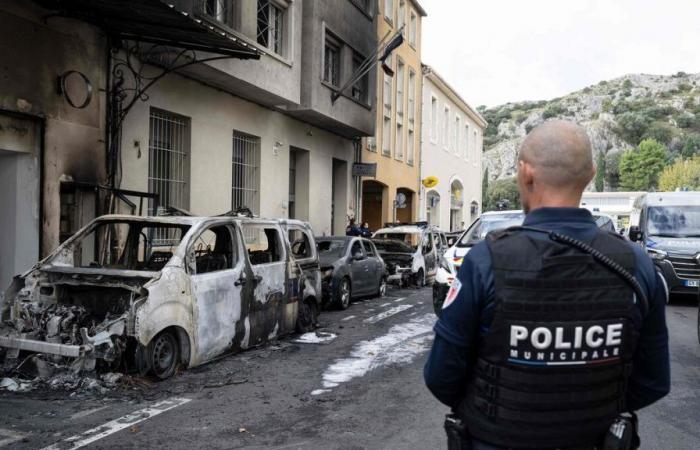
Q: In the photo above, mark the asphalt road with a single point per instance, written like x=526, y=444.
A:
x=358, y=388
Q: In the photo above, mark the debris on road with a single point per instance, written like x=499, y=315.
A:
x=316, y=337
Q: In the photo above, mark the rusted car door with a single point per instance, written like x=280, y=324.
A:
x=219, y=305
x=273, y=309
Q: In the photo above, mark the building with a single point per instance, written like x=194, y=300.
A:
x=239, y=112
x=393, y=194
x=617, y=205
x=451, y=151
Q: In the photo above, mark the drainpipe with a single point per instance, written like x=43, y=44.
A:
x=357, y=144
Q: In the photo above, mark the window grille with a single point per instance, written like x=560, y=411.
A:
x=245, y=187
x=271, y=26
x=331, y=62
x=168, y=166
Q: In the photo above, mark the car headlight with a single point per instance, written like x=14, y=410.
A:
x=656, y=254
x=327, y=273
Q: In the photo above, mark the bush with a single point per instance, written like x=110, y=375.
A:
x=640, y=169
x=660, y=132
x=683, y=174
x=627, y=84
x=686, y=121
x=690, y=145
x=684, y=87
x=553, y=110
x=607, y=105
x=632, y=126
x=659, y=112
x=505, y=189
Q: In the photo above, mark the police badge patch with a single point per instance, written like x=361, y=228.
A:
x=452, y=293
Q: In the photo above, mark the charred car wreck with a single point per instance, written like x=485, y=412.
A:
x=150, y=294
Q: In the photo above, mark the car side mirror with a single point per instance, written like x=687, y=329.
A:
x=636, y=234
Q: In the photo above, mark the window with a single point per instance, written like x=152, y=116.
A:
x=413, y=29
x=168, y=156
x=446, y=128
x=271, y=26
x=245, y=184
x=401, y=19
x=411, y=95
x=355, y=249
x=455, y=140
x=300, y=243
x=262, y=243
x=219, y=10
x=399, y=141
x=369, y=249
x=331, y=61
x=474, y=147
x=361, y=88
x=389, y=10
x=466, y=142
x=386, y=135
x=388, y=86
x=399, y=86
x=213, y=250
x=434, y=119
x=410, y=157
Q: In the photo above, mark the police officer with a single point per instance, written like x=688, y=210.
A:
x=540, y=344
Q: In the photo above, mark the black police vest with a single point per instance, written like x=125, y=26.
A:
x=552, y=370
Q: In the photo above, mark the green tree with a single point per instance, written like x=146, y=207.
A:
x=632, y=126
x=612, y=168
x=683, y=174
x=600, y=172
x=505, y=189
x=640, y=169
x=484, y=187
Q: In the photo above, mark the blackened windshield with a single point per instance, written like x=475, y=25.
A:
x=331, y=247
x=673, y=221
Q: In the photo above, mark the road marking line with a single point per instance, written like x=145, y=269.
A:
x=400, y=299
x=111, y=427
x=347, y=318
x=9, y=436
x=385, y=304
x=81, y=414
x=388, y=313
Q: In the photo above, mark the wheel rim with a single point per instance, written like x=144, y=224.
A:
x=163, y=358
x=345, y=293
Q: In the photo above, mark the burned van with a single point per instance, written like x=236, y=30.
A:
x=154, y=293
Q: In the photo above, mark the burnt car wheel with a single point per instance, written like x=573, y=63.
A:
x=343, y=294
x=308, y=316
x=164, y=353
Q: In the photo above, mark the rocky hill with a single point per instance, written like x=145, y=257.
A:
x=617, y=114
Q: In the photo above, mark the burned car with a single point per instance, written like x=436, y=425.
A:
x=153, y=293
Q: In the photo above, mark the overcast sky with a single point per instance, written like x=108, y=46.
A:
x=496, y=51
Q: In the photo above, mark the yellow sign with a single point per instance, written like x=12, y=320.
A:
x=430, y=182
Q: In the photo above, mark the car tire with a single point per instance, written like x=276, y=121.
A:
x=307, y=318
x=343, y=293
x=164, y=355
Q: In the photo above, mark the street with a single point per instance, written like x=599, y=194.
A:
x=356, y=384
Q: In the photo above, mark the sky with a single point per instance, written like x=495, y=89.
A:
x=498, y=51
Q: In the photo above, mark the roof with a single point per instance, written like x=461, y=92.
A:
x=156, y=22
x=673, y=198
x=451, y=93
x=419, y=8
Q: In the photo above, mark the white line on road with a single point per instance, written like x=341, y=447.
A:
x=347, y=318
x=385, y=304
x=97, y=433
x=388, y=313
x=400, y=299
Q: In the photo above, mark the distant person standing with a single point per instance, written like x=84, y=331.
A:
x=365, y=232
x=352, y=229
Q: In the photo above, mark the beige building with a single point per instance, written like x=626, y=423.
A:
x=451, y=151
x=393, y=194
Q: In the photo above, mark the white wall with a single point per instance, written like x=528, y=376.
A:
x=213, y=116
x=444, y=162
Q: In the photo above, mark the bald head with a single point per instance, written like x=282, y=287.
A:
x=560, y=154
x=555, y=165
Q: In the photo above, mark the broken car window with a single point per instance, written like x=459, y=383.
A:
x=301, y=244
x=127, y=246
x=263, y=243
x=334, y=247
x=214, y=250
x=412, y=239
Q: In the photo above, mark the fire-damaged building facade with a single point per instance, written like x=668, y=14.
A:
x=131, y=107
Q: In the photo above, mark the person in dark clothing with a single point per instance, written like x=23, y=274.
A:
x=352, y=229
x=365, y=232
x=476, y=366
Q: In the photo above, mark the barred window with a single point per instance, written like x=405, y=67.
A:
x=331, y=61
x=245, y=186
x=271, y=26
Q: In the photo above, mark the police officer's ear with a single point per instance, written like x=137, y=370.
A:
x=526, y=175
